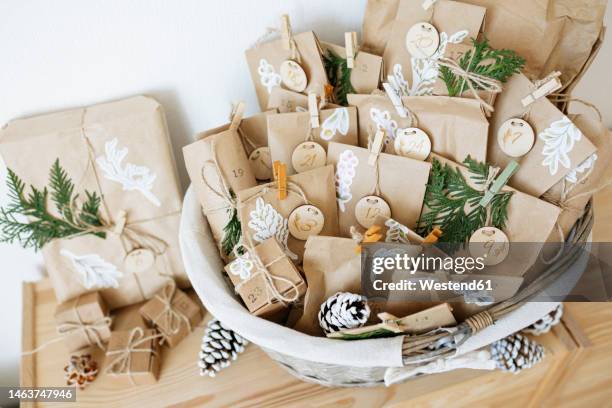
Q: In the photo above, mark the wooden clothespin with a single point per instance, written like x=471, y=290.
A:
x=390, y=322
x=376, y=147
x=286, y=31
x=350, y=45
x=433, y=236
x=280, y=175
x=396, y=99
x=499, y=183
x=237, y=114
x=370, y=236
x=550, y=84
x=313, y=110
x=427, y=4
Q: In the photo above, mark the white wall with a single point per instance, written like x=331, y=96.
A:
x=188, y=54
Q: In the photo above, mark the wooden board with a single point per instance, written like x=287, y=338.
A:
x=255, y=380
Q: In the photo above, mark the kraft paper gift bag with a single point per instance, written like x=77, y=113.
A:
x=455, y=22
x=287, y=132
x=288, y=101
x=559, y=145
x=119, y=151
x=264, y=215
x=399, y=181
x=218, y=168
x=456, y=127
x=265, y=62
x=377, y=22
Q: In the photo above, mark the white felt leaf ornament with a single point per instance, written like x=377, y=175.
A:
x=572, y=176
x=267, y=75
x=242, y=266
x=396, y=232
x=130, y=176
x=337, y=122
x=95, y=272
x=345, y=173
x=268, y=223
x=559, y=140
x=383, y=121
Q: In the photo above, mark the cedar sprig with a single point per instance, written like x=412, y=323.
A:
x=232, y=231
x=339, y=76
x=40, y=226
x=483, y=60
x=453, y=204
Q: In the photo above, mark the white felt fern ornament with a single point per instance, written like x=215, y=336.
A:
x=130, y=176
x=396, y=232
x=585, y=166
x=559, y=140
x=95, y=272
x=384, y=121
x=266, y=222
x=267, y=75
x=337, y=122
x=345, y=173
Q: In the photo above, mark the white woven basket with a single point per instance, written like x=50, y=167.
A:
x=315, y=359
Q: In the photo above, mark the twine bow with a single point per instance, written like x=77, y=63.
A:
x=122, y=363
x=90, y=330
x=171, y=318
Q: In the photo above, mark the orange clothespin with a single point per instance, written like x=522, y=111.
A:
x=280, y=175
x=433, y=236
x=371, y=235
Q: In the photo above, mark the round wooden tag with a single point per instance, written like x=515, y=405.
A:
x=261, y=163
x=413, y=143
x=491, y=244
x=369, y=208
x=422, y=40
x=308, y=156
x=304, y=221
x=515, y=137
x=139, y=260
x=293, y=76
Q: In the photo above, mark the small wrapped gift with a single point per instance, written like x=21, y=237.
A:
x=173, y=313
x=266, y=279
x=133, y=356
x=83, y=321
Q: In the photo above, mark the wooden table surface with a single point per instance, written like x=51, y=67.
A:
x=575, y=373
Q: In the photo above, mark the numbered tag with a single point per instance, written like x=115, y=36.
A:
x=491, y=244
x=413, y=143
x=515, y=137
x=304, y=221
x=139, y=260
x=369, y=208
x=308, y=156
x=293, y=76
x=261, y=163
x=422, y=40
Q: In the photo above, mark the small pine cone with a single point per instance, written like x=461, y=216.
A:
x=516, y=352
x=220, y=346
x=343, y=311
x=545, y=323
x=80, y=371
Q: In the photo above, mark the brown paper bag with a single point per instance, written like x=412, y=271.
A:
x=456, y=22
x=218, y=168
x=456, y=127
x=121, y=152
x=577, y=188
x=288, y=130
x=377, y=22
x=263, y=215
x=355, y=179
x=287, y=101
x=264, y=62
x=559, y=145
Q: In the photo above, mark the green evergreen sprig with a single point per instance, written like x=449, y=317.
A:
x=453, y=204
x=483, y=60
x=40, y=226
x=231, y=233
x=339, y=76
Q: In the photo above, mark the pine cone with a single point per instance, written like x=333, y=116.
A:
x=80, y=371
x=516, y=352
x=343, y=311
x=220, y=346
x=546, y=323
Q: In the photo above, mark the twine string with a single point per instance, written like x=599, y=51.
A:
x=171, y=318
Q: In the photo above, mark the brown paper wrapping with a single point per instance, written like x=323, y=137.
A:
x=317, y=185
x=377, y=22
x=257, y=295
x=366, y=74
x=533, y=177
x=88, y=309
x=233, y=166
x=275, y=53
x=286, y=131
x=176, y=320
x=456, y=127
x=81, y=138
x=143, y=367
x=396, y=174
x=286, y=101
x=447, y=16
